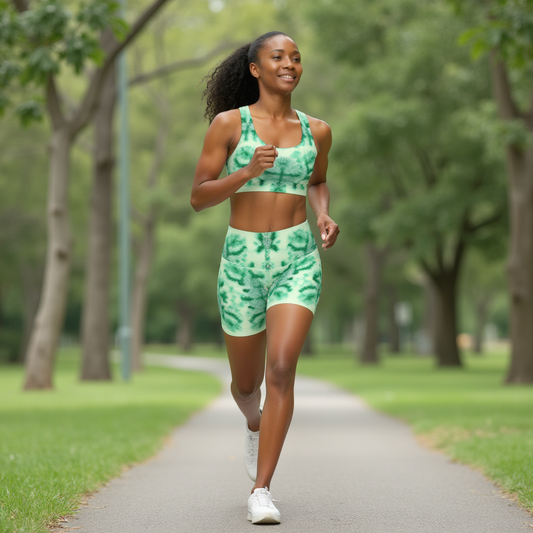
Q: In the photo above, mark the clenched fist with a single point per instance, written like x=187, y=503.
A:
x=263, y=159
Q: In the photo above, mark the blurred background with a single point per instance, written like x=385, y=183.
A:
x=425, y=100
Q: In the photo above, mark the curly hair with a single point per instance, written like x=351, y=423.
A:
x=231, y=85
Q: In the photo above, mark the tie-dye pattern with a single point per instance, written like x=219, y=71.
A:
x=293, y=166
x=259, y=270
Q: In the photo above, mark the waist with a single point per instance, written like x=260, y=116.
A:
x=268, y=250
x=266, y=211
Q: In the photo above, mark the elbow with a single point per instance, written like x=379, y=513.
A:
x=195, y=204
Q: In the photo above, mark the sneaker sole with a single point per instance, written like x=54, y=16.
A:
x=265, y=518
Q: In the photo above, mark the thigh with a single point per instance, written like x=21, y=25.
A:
x=247, y=360
x=242, y=299
x=299, y=283
x=287, y=328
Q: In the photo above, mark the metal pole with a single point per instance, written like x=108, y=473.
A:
x=124, y=331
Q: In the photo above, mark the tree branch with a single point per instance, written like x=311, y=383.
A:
x=428, y=172
x=502, y=88
x=53, y=103
x=88, y=105
x=487, y=222
x=182, y=64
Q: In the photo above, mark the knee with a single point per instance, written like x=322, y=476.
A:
x=280, y=375
x=244, y=391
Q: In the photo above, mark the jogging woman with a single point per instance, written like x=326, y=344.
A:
x=270, y=274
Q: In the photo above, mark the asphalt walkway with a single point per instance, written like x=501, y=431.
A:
x=344, y=468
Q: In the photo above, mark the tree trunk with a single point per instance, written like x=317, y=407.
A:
x=184, y=332
x=520, y=264
x=482, y=308
x=31, y=284
x=375, y=260
x=394, y=329
x=447, y=351
x=49, y=319
x=140, y=285
x=95, y=320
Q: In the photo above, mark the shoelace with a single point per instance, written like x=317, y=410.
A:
x=264, y=498
x=252, y=445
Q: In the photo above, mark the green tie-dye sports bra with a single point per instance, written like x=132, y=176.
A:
x=293, y=166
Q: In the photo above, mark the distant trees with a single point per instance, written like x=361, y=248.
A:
x=503, y=29
x=416, y=144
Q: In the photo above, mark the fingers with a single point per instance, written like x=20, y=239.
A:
x=264, y=158
x=329, y=232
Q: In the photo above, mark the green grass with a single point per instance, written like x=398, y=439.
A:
x=467, y=412
x=57, y=446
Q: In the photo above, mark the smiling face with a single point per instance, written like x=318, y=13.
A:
x=279, y=64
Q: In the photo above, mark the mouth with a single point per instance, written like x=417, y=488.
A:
x=287, y=77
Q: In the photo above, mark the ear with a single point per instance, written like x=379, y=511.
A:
x=254, y=70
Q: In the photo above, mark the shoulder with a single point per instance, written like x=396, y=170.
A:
x=226, y=126
x=227, y=120
x=321, y=132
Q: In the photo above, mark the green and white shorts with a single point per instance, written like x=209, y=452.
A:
x=259, y=270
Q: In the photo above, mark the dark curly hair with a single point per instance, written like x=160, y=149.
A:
x=231, y=85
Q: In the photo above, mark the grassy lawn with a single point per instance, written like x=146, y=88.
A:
x=468, y=413
x=57, y=446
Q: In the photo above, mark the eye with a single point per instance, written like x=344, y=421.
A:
x=298, y=59
x=276, y=57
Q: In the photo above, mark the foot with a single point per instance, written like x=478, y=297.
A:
x=261, y=510
x=251, y=448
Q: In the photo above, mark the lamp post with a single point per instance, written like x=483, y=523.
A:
x=124, y=330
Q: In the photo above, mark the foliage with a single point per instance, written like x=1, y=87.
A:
x=55, y=449
x=37, y=42
x=505, y=25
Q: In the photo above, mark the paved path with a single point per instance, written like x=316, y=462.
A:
x=344, y=468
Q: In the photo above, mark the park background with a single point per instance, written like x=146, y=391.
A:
x=427, y=306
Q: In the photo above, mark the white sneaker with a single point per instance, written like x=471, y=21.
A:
x=261, y=510
x=251, y=449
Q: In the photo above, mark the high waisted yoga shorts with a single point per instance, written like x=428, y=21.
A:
x=259, y=270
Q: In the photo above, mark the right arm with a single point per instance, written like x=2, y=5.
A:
x=207, y=189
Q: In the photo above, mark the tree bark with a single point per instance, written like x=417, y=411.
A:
x=520, y=264
x=145, y=253
x=447, y=351
x=375, y=261
x=31, y=284
x=96, y=339
x=520, y=259
x=49, y=320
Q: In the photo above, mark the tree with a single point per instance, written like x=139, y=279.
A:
x=505, y=32
x=418, y=139
x=41, y=38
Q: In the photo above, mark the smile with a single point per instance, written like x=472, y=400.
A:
x=287, y=77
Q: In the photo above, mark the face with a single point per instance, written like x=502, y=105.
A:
x=279, y=64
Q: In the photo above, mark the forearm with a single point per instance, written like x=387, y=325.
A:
x=213, y=192
x=318, y=196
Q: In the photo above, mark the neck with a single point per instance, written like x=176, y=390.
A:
x=273, y=105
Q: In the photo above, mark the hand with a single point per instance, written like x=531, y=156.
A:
x=328, y=231
x=263, y=159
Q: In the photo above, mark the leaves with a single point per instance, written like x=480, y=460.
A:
x=36, y=43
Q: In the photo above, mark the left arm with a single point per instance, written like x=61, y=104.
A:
x=318, y=192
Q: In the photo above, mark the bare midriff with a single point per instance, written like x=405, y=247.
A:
x=266, y=211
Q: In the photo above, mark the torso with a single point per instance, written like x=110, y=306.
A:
x=272, y=206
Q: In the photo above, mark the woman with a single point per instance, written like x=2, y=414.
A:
x=270, y=272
